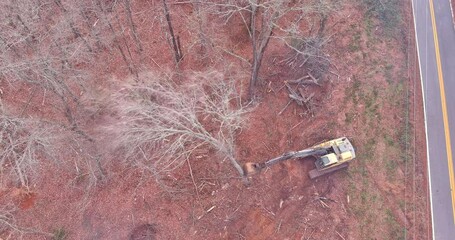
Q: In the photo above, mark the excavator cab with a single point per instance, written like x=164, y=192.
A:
x=326, y=160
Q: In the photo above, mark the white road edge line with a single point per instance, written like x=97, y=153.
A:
x=425, y=118
x=453, y=17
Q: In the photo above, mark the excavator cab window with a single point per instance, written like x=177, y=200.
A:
x=323, y=162
x=326, y=161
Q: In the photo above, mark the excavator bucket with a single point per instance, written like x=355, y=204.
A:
x=251, y=168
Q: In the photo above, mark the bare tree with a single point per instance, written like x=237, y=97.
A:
x=174, y=39
x=259, y=43
x=129, y=15
x=309, y=52
x=7, y=220
x=160, y=124
x=49, y=56
x=10, y=229
x=106, y=17
x=266, y=17
x=22, y=141
x=262, y=18
x=307, y=48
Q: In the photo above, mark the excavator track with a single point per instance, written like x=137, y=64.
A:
x=318, y=173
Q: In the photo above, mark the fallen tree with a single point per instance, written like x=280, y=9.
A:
x=160, y=123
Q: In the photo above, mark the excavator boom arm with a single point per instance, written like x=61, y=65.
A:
x=299, y=154
x=251, y=168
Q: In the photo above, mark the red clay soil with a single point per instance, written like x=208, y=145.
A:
x=212, y=202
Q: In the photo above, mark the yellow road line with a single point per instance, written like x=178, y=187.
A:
x=444, y=108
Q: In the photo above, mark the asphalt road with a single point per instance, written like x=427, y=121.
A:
x=436, y=49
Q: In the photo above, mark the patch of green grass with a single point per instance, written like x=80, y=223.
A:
x=354, y=45
x=353, y=92
x=269, y=133
x=369, y=148
x=372, y=107
x=396, y=232
x=376, y=198
x=367, y=96
x=371, y=100
x=364, y=55
x=359, y=171
x=388, y=140
x=388, y=73
x=349, y=117
x=389, y=216
x=369, y=27
x=396, y=94
x=387, y=12
x=364, y=200
x=390, y=166
x=403, y=133
x=364, y=196
x=405, y=139
x=401, y=203
x=59, y=234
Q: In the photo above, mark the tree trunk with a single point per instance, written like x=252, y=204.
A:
x=258, y=51
x=175, y=43
x=133, y=26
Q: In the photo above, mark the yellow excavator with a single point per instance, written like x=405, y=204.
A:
x=330, y=156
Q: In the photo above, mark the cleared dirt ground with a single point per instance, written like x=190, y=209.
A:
x=371, y=95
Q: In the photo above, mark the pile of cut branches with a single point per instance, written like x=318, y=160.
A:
x=297, y=93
